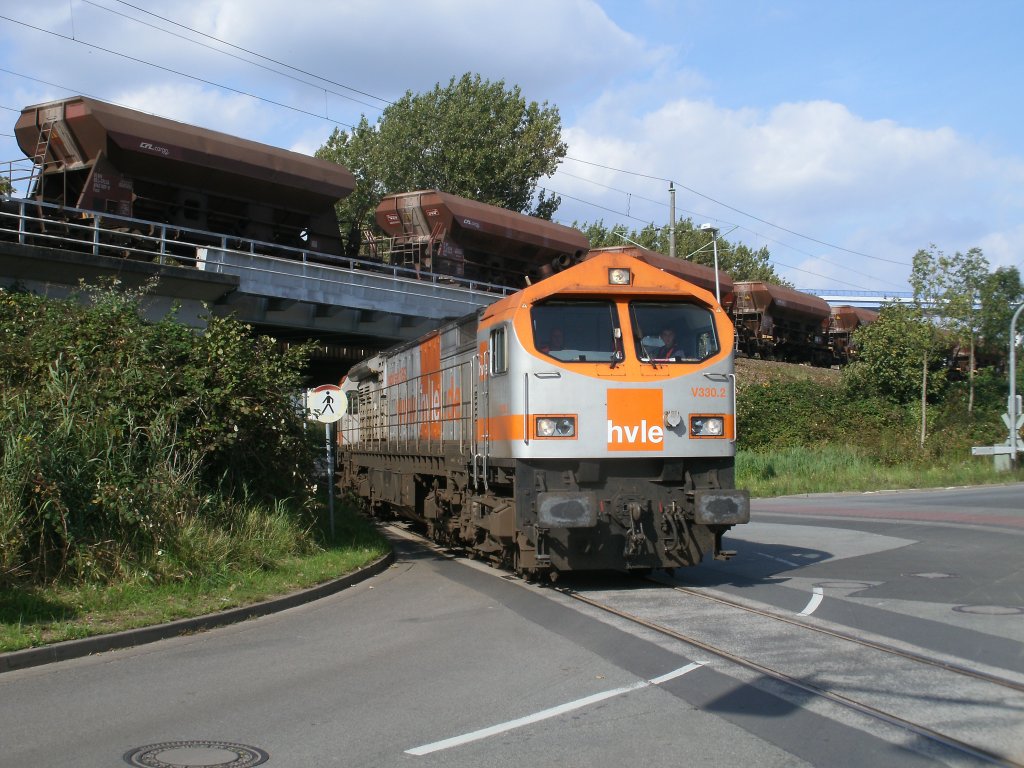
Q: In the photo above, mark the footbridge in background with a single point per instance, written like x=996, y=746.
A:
x=864, y=299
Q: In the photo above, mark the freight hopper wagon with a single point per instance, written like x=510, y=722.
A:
x=778, y=323
x=843, y=323
x=437, y=233
x=586, y=422
x=102, y=159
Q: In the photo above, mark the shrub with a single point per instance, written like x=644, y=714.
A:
x=117, y=435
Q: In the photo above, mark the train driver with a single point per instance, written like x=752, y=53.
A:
x=556, y=341
x=668, y=347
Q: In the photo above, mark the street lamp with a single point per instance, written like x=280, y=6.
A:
x=714, y=247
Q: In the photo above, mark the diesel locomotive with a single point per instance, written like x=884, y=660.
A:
x=586, y=422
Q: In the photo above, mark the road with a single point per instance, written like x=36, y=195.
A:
x=442, y=661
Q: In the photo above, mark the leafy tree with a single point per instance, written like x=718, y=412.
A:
x=953, y=286
x=889, y=355
x=692, y=244
x=1001, y=292
x=472, y=138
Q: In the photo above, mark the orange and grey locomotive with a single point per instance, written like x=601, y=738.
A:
x=586, y=422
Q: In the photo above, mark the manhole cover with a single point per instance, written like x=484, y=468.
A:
x=989, y=610
x=849, y=586
x=196, y=754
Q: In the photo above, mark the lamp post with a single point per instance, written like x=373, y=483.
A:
x=714, y=247
x=1013, y=411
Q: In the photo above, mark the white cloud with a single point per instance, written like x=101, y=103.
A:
x=872, y=186
x=815, y=166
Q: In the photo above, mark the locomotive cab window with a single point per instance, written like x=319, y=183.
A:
x=673, y=332
x=577, y=331
x=498, y=351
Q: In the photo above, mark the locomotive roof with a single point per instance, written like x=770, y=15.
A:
x=589, y=278
x=698, y=274
x=144, y=144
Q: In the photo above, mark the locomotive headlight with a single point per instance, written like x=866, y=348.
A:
x=707, y=426
x=555, y=426
x=619, y=276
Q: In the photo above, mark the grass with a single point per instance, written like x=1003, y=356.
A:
x=33, y=616
x=831, y=468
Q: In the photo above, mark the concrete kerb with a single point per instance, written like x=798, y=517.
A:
x=73, y=649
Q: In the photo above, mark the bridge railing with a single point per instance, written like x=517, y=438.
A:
x=31, y=222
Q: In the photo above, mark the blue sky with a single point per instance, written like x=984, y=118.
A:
x=842, y=135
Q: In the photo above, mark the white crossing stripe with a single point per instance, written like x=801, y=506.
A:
x=561, y=709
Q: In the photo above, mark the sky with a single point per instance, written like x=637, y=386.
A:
x=843, y=135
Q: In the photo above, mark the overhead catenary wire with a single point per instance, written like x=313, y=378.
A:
x=253, y=53
x=166, y=69
x=739, y=211
x=237, y=57
x=774, y=259
x=703, y=216
x=326, y=117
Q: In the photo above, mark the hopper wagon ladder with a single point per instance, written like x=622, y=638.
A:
x=39, y=157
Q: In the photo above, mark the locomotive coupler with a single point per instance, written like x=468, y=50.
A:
x=675, y=520
x=635, y=539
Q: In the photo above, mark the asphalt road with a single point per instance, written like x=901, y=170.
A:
x=940, y=569
x=435, y=649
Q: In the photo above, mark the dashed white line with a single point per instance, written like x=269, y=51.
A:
x=812, y=606
x=493, y=730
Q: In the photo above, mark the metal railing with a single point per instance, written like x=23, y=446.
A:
x=31, y=222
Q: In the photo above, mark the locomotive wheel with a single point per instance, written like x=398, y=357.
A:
x=517, y=569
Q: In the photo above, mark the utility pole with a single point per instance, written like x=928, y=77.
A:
x=672, y=219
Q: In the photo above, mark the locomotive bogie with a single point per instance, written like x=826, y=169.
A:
x=602, y=453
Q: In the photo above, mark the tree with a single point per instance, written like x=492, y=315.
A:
x=889, y=354
x=692, y=244
x=1001, y=292
x=472, y=138
x=952, y=286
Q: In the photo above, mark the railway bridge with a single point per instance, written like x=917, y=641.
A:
x=352, y=306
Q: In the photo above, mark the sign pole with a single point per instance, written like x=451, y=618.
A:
x=330, y=477
x=326, y=404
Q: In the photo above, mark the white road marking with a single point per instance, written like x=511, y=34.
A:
x=779, y=560
x=819, y=595
x=493, y=730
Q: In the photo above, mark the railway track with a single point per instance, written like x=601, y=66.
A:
x=953, y=713
x=941, y=706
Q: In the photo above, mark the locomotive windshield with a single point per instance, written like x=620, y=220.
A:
x=577, y=331
x=673, y=332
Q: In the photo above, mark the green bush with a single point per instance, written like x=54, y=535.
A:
x=118, y=436
x=784, y=414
